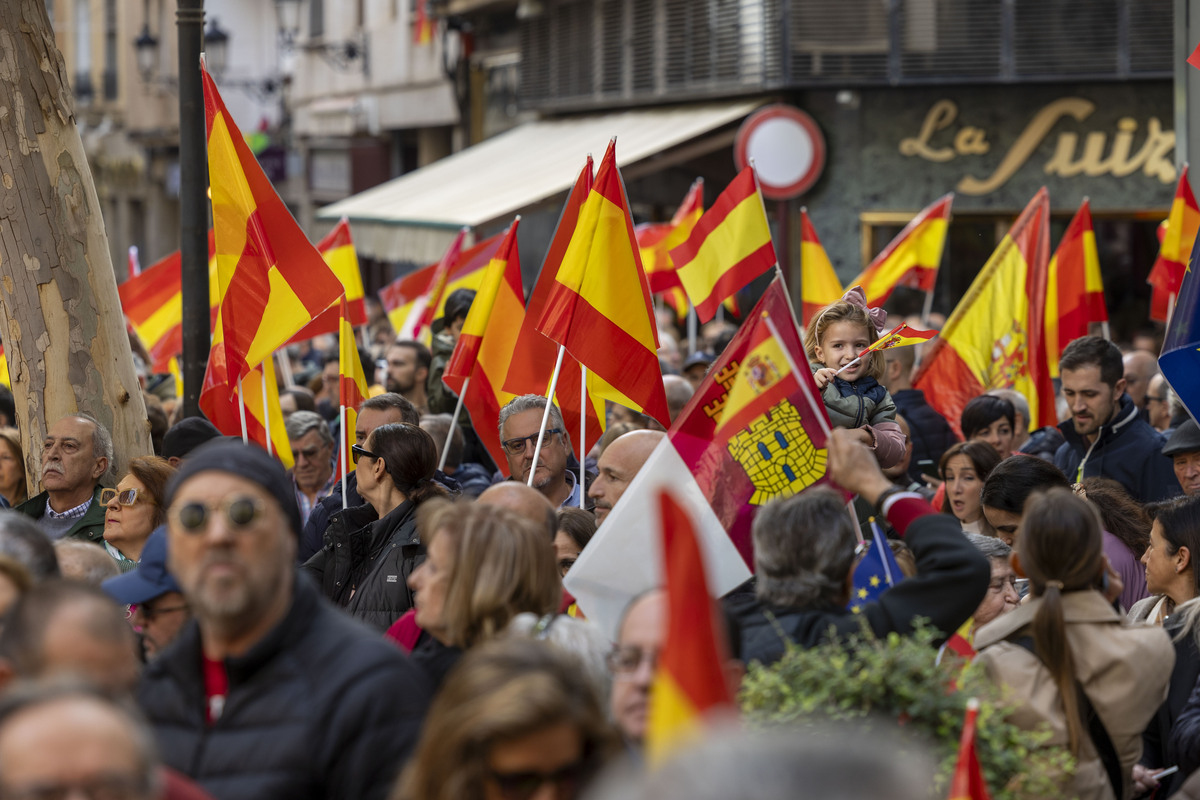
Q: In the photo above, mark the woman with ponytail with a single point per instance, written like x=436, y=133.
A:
x=1068, y=657
x=371, y=550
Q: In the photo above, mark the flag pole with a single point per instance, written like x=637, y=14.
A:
x=266, y=413
x=242, y=411
x=285, y=367
x=927, y=310
x=691, y=327
x=583, y=399
x=453, y=422
x=1104, y=330
x=345, y=456
x=537, y=449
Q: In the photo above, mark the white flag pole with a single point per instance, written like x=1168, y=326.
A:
x=453, y=422
x=537, y=449
x=242, y=411
x=345, y=456
x=266, y=420
x=583, y=399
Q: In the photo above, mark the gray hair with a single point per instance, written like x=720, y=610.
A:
x=102, y=443
x=23, y=541
x=581, y=638
x=85, y=562
x=532, y=402
x=803, y=549
x=300, y=423
x=990, y=546
x=1020, y=403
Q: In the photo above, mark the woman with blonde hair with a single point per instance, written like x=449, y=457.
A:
x=1068, y=656
x=12, y=468
x=483, y=566
x=517, y=716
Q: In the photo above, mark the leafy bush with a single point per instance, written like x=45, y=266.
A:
x=897, y=678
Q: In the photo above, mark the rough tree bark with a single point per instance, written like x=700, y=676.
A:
x=60, y=316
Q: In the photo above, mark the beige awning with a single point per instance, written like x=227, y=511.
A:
x=414, y=217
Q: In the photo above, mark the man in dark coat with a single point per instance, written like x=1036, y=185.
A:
x=1106, y=436
x=269, y=692
x=929, y=432
x=804, y=562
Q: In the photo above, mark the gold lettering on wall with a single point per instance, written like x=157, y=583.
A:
x=1153, y=158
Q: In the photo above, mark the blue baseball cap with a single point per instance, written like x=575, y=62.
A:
x=150, y=579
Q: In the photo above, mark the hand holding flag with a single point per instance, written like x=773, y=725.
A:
x=903, y=335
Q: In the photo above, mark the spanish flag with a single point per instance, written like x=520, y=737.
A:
x=994, y=339
x=400, y=297
x=689, y=685
x=599, y=305
x=729, y=247
x=435, y=296
x=530, y=372
x=487, y=344
x=912, y=258
x=818, y=282
x=903, y=335
x=1179, y=235
x=338, y=251
x=968, y=782
x=661, y=238
x=352, y=386
x=1074, y=290
x=271, y=281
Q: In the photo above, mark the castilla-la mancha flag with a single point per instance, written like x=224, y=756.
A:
x=819, y=285
x=1074, y=289
x=599, y=305
x=912, y=258
x=1178, y=236
x=487, y=344
x=271, y=280
x=995, y=338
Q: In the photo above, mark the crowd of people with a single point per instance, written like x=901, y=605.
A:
x=209, y=624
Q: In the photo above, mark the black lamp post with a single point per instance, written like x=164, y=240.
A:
x=193, y=203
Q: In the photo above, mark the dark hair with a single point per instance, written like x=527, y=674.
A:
x=983, y=458
x=982, y=411
x=303, y=397
x=1018, y=476
x=424, y=357
x=22, y=540
x=580, y=525
x=26, y=623
x=1060, y=547
x=445, y=435
x=158, y=426
x=803, y=549
x=1094, y=351
x=410, y=457
x=458, y=304
x=1122, y=516
x=154, y=473
x=1179, y=519
x=392, y=400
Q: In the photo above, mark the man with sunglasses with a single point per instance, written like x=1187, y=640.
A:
x=76, y=455
x=520, y=423
x=271, y=692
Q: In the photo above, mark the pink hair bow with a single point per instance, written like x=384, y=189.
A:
x=856, y=297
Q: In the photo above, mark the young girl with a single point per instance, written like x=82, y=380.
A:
x=855, y=398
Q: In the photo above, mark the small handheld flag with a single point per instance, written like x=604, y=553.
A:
x=876, y=572
x=903, y=335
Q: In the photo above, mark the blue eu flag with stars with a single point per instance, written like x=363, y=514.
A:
x=1180, y=359
x=876, y=571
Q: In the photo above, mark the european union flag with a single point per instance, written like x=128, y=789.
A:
x=876, y=571
x=1180, y=359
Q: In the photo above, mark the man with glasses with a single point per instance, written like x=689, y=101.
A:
x=76, y=455
x=312, y=449
x=272, y=692
x=633, y=661
x=520, y=422
x=157, y=608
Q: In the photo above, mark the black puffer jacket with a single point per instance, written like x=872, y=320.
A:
x=365, y=563
x=321, y=707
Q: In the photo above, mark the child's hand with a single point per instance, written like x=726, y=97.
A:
x=823, y=376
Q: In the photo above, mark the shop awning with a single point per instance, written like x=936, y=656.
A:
x=414, y=217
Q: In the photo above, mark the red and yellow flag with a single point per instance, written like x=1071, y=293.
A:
x=1074, y=288
x=729, y=247
x=599, y=305
x=1166, y=276
x=903, y=335
x=689, y=685
x=422, y=24
x=487, y=344
x=435, y=296
x=968, y=782
x=352, y=385
x=270, y=280
x=530, y=372
x=819, y=285
x=400, y=297
x=656, y=240
x=994, y=339
x=912, y=258
x=338, y=251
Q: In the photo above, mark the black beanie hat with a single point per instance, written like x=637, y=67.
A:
x=186, y=435
x=246, y=461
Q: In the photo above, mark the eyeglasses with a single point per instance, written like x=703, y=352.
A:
x=241, y=511
x=128, y=497
x=523, y=785
x=515, y=447
x=357, y=452
x=308, y=453
x=1150, y=397
x=624, y=661
x=104, y=787
x=149, y=612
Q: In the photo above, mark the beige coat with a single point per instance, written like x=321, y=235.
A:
x=1124, y=671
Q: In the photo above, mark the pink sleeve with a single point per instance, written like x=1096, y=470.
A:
x=889, y=443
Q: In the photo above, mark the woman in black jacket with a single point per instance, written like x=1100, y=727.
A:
x=371, y=550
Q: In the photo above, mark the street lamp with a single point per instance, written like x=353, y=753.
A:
x=287, y=18
x=146, y=45
x=216, y=47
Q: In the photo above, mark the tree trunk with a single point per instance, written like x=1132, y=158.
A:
x=60, y=316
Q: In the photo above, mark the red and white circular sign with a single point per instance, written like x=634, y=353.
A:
x=787, y=147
